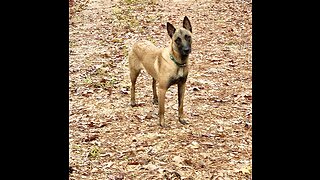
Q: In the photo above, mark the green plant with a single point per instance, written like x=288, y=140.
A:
x=94, y=152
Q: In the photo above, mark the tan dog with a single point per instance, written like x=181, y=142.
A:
x=167, y=66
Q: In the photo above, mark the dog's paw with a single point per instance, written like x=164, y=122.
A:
x=155, y=101
x=162, y=124
x=182, y=121
x=133, y=104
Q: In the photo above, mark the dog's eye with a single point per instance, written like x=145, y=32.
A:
x=187, y=38
x=178, y=40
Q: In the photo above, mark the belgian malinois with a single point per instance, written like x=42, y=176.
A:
x=167, y=66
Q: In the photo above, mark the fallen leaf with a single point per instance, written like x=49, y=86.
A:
x=70, y=169
x=249, y=97
x=205, y=155
x=91, y=124
x=171, y=175
x=133, y=163
x=150, y=167
x=196, y=89
x=202, y=164
x=116, y=176
x=207, y=135
x=94, y=170
x=124, y=91
x=91, y=138
x=244, y=170
x=177, y=159
x=207, y=144
x=188, y=162
x=149, y=115
x=108, y=164
x=194, y=145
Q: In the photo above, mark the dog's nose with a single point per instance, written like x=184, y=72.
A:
x=186, y=50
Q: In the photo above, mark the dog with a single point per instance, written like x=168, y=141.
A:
x=167, y=66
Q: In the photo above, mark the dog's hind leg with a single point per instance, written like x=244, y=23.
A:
x=133, y=75
x=135, y=68
x=154, y=88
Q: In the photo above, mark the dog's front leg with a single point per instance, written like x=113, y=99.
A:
x=162, y=94
x=181, y=90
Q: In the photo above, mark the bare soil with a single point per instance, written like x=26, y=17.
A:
x=109, y=139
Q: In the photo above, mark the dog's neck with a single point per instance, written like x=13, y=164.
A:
x=176, y=62
x=179, y=60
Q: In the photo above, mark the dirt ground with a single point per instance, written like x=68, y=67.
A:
x=109, y=139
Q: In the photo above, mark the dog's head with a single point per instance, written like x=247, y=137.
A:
x=181, y=38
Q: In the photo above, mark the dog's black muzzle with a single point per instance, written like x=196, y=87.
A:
x=185, y=51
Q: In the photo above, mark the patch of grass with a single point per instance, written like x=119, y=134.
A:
x=113, y=81
x=94, y=152
x=76, y=147
x=89, y=60
x=130, y=2
x=103, y=85
x=87, y=80
x=150, y=38
x=71, y=43
x=117, y=40
x=151, y=18
x=106, y=83
x=133, y=22
x=133, y=176
x=125, y=50
x=123, y=15
x=231, y=43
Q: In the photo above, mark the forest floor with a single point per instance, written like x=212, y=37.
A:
x=109, y=139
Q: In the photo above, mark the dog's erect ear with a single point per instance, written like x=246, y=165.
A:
x=187, y=24
x=171, y=30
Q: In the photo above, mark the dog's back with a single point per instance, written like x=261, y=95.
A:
x=144, y=49
x=144, y=54
x=144, y=46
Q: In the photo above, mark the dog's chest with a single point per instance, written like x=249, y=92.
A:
x=181, y=76
x=180, y=72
